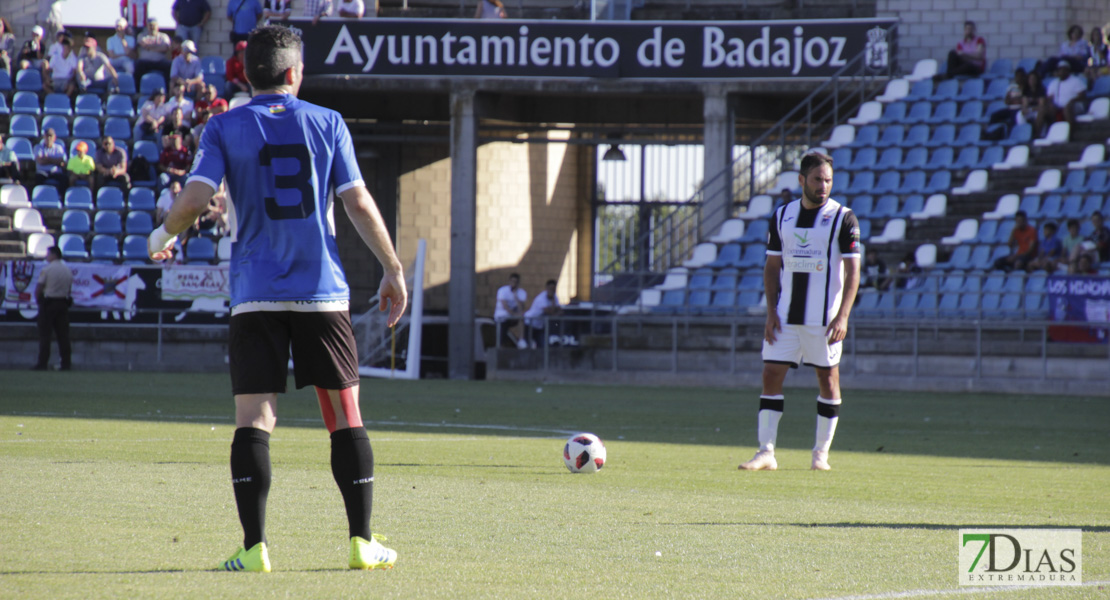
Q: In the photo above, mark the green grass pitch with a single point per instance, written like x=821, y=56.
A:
x=115, y=485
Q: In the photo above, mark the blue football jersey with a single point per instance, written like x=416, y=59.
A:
x=280, y=157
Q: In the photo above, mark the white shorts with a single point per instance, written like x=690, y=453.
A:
x=802, y=344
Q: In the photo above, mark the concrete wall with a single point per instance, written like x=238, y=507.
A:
x=533, y=202
x=1012, y=28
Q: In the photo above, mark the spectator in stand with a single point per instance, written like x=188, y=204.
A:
x=1100, y=237
x=315, y=9
x=175, y=47
x=50, y=160
x=1075, y=51
x=121, y=48
x=1023, y=245
x=33, y=52
x=175, y=125
x=235, y=74
x=135, y=12
x=81, y=166
x=7, y=45
x=93, y=70
x=154, y=51
x=55, y=49
x=1050, y=253
x=1064, y=100
x=350, y=9
x=785, y=197
x=244, y=15
x=202, y=104
x=187, y=70
x=165, y=202
x=111, y=164
x=179, y=100
x=1085, y=265
x=190, y=16
x=9, y=163
x=490, y=9
x=969, y=57
x=62, y=69
x=874, y=272
x=545, y=304
x=1099, y=61
x=174, y=162
x=508, y=309
x=276, y=12
x=1032, y=99
x=1013, y=99
x=1072, y=240
x=152, y=115
x=910, y=274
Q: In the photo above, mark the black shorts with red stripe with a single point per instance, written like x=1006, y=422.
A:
x=323, y=345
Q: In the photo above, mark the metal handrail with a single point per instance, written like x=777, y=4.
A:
x=820, y=110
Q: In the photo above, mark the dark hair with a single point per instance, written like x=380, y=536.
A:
x=54, y=251
x=813, y=160
x=551, y=282
x=1021, y=213
x=271, y=51
x=1073, y=222
x=1097, y=214
x=966, y=23
x=514, y=275
x=1051, y=224
x=1075, y=28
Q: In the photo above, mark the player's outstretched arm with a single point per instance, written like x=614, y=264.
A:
x=838, y=328
x=368, y=221
x=187, y=207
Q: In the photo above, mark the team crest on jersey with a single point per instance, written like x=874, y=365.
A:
x=276, y=108
x=826, y=218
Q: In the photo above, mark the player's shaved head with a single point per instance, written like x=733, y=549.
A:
x=271, y=51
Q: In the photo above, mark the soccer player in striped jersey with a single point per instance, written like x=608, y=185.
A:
x=811, y=277
x=281, y=159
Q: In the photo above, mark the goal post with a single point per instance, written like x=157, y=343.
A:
x=394, y=353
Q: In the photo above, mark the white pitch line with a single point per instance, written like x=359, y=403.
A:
x=965, y=591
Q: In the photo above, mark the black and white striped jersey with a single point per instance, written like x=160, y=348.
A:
x=812, y=244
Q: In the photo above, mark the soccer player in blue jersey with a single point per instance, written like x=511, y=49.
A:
x=281, y=158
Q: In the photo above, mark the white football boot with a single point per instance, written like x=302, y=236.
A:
x=764, y=460
x=820, y=461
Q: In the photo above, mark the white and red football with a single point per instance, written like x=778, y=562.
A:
x=584, y=453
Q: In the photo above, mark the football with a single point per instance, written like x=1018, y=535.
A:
x=584, y=453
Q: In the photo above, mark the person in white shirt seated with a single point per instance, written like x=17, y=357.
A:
x=508, y=309
x=1065, y=99
x=545, y=304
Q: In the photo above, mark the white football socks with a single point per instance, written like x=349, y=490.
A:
x=827, y=415
x=770, y=411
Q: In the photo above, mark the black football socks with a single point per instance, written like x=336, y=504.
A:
x=250, y=478
x=352, y=464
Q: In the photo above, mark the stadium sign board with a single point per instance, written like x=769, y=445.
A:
x=550, y=49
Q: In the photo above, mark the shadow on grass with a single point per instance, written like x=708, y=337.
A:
x=988, y=426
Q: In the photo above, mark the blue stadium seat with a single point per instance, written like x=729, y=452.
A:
x=969, y=307
x=1022, y=134
x=863, y=205
x=23, y=126
x=202, y=249
x=993, y=107
x=916, y=158
x=1100, y=88
x=914, y=203
x=700, y=279
x=919, y=112
x=150, y=82
x=890, y=159
x=756, y=231
x=946, y=90
x=895, y=112
x=1036, y=307
x=127, y=84
x=21, y=146
x=996, y=90
x=941, y=181
x=28, y=80
x=4, y=108
x=941, y=159
x=862, y=182
x=979, y=259
x=1010, y=306
x=44, y=197
x=213, y=64
x=1096, y=183
x=57, y=104
x=107, y=221
x=967, y=159
x=88, y=105
x=1001, y=68
x=954, y=282
x=985, y=235
x=1036, y=207
x=991, y=156
x=1074, y=182
x=889, y=183
x=134, y=250
x=970, y=112
x=671, y=302
x=945, y=113
x=72, y=246
x=59, y=124
x=949, y=305
x=868, y=305
x=141, y=199
x=748, y=299
x=1002, y=234
x=864, y=159
x=79, y=197
x=105, y=248
x=725, y=280
x=86, y=127
x=994, y=283
x=1070, y=207
x=866, y=136
x=727, y=256
x=841, y=157
x=1091, y=204
x=109, y=198
x=943, y=135
x=724, y=302
x=972, y=89
x=916, y=136
x=139, y=222
x=754, y=256
x=118, y=127
x=695, y=303
x=864, y=229
x=5, y=82
x=217, y=80
x=973, y=282
x=885, y=208
x=1015, y=282
x=920, y=90
x=968, y=136
x=76, y=221
x=120, y=106
x=841, y=179
x=752, y=280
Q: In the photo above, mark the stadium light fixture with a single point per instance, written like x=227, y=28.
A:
x=614, y=153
